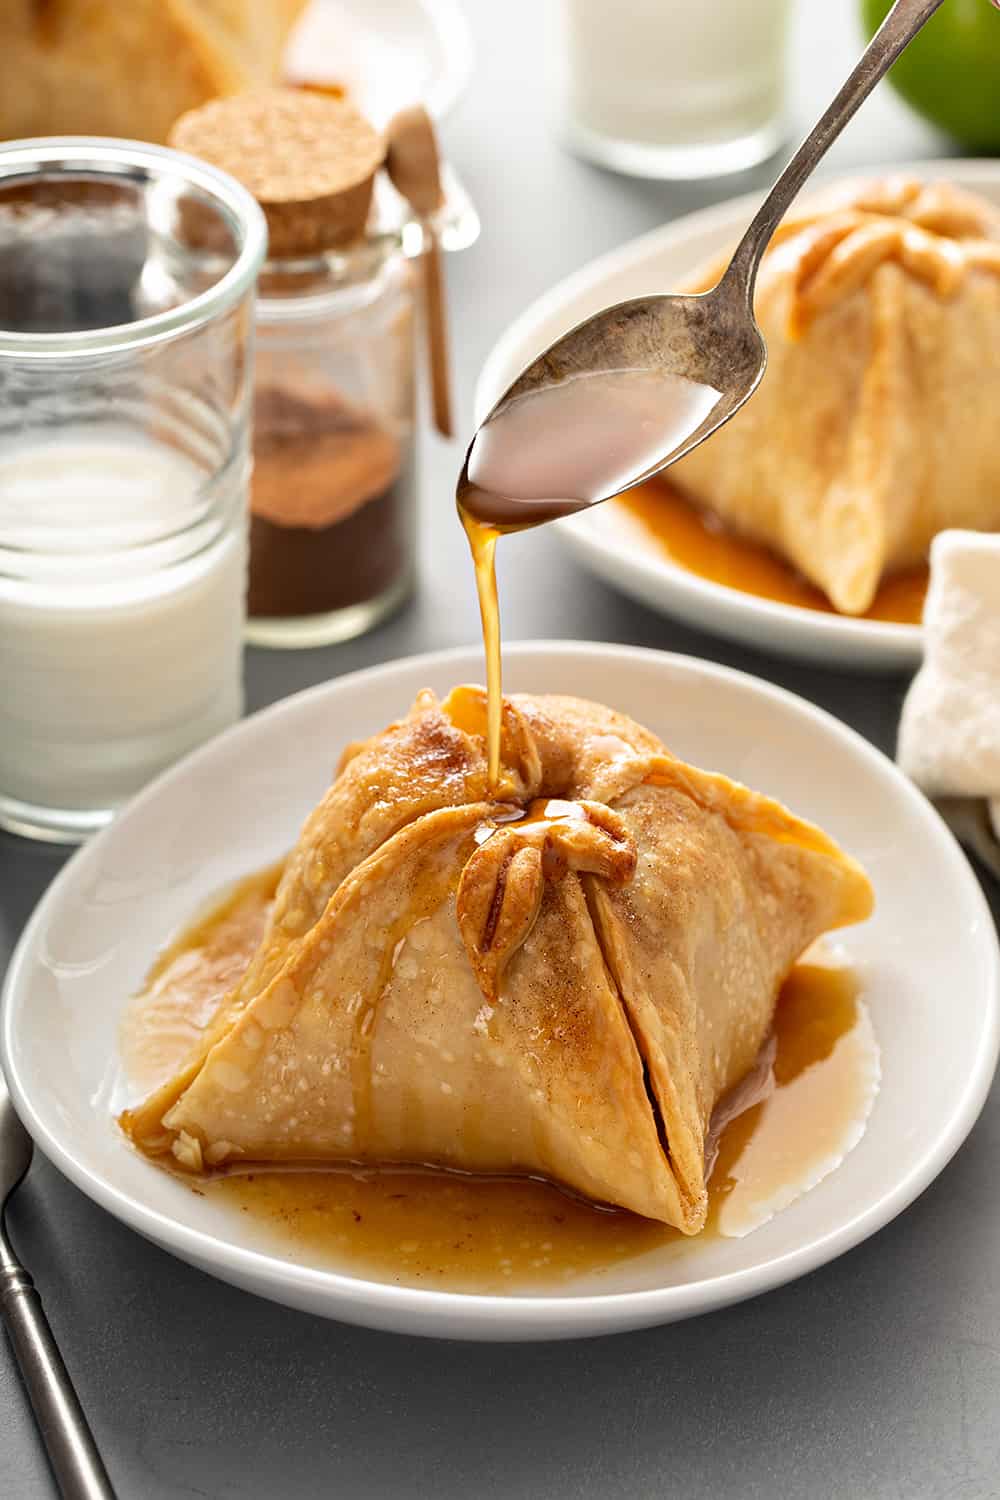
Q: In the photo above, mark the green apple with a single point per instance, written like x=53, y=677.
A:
x=950, y=72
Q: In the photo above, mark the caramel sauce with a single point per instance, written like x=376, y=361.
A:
x=47, y=22
x=557, y=450
x=545, y=811
x=162, y=1024
x=826, y=1075
x=422, y=1227
x=475, y=507
x=698, y=542
x=329, y=90
x=439, y=1229
x=483, y=542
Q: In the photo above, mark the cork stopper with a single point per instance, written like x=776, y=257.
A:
x=310, y=161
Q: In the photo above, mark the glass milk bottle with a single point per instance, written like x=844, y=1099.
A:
x=126, y=289
x=674, y=88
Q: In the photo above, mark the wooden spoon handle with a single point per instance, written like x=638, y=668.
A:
x=437, y=335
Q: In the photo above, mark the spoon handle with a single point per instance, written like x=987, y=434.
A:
x=897, y=30
x=69, y=1443
x=437, y=334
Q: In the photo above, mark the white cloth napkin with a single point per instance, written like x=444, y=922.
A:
x=949, y=733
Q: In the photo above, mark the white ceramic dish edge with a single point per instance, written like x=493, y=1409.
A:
x=443, y=1314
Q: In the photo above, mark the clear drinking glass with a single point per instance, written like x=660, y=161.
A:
x=675, y=88
x=126, y=288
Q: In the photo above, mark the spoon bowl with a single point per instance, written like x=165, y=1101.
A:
x=709, y=341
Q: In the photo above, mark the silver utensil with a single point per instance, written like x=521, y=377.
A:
x=75, y=1461
x=711, y=339
x=969, y=820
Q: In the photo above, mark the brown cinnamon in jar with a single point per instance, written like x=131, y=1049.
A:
x=333, y=488
x=329, y=523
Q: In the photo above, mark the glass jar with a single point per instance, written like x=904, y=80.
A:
x=676, y=88
x=333, y=495
x=127, y=276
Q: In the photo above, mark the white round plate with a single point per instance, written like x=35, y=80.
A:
x=929, y=962
x=614, y=546
x=388, y=53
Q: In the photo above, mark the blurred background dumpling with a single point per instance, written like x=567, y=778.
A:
x=99, y=67
x=874, y=426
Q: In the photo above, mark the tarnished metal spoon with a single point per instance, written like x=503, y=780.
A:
x=75, y=1461
x=685, y=362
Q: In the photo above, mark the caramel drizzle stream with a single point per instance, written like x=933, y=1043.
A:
x=483, y=542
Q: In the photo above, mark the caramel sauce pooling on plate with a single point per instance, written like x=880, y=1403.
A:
x=422, y=1227
x=163, y=1022
x=702, y=545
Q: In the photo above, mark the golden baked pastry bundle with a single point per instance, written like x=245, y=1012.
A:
x=562, y=978
x=874, y=427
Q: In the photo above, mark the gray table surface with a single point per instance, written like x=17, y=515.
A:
x=877, y=1377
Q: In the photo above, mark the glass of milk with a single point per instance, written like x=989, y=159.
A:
x=674, y=88
x=127, y=276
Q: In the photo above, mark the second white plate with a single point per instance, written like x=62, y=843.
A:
x=615, y=547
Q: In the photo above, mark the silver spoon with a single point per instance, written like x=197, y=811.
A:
x=677, y=344
x=75, y=1461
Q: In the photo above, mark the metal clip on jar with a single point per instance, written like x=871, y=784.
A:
x=333, y=492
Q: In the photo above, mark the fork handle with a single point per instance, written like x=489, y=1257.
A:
x=69, y=1443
